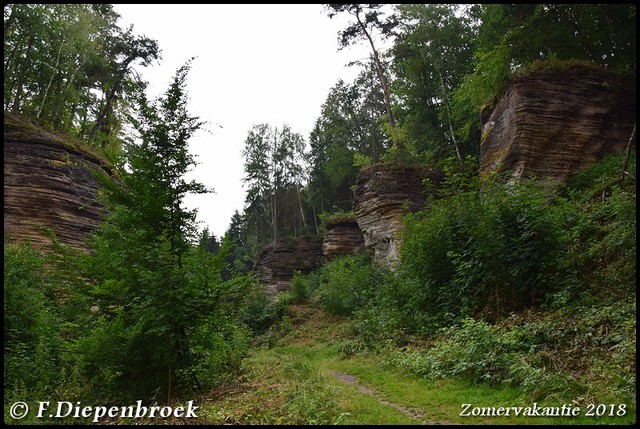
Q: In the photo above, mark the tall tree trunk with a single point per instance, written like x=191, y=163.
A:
x=70, y=81
x=274, y=217
x=9, y=22
x=304, y=222
x=627, y=153
x=110, y=97
x=383, y=80
x=315, y=220
x=23, y=75
x=55, y=68
x=446, y=104
x=9, y=59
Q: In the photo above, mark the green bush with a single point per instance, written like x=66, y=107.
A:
x=33, y=346
x=486, y=254
x=604, y=250
x=474, y=350
x=346, y=283
x=580, y=351
x=254, y=310
x=299, y=288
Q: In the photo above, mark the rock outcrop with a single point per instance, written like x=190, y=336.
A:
x=554, y=122
x=275, y=265
x=48, y=182
x=383, y=195
x=343, y=237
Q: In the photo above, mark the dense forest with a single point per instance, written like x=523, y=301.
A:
x=499, y=284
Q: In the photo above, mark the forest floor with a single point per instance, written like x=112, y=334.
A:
x=310, y=371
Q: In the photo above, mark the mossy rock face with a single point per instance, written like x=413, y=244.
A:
x=277, y=262
x=384, y=194
x=557, y=118
x=338, y=219
x=49, y=184
x=30, y=130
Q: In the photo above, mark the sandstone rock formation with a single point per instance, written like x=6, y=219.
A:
x=554, y=122
x=343, y=237
x=383, y=195
x=48, y=183
x=275, y=265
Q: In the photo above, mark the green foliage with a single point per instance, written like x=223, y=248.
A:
x=361, y=161
x=33, y=346
x=347, y=135
x=299, y=288
x=531, y=351
x=603, y=236
x=70, y=65
x=273, y=175
x=165, y=325
x=476, y=258
x=485, y=253
x=346, y=283
x=432, y=54
x=255, y=311
x=513, y=36
x=474, y=351
x=336, y=217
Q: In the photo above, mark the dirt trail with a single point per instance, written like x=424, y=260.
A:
x=353, y=381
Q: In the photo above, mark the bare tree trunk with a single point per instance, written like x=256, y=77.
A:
x=274, y=188
x=627, y=153
x=70, y=81
x=446, y=104
x=315, y=220
x=55, y=68
x=383, y=80
x=110, y=97
x=23, y=75
x=274, y=217
x=304, y=222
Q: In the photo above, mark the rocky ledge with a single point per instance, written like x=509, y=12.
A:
x=343, y=237
x=48, y=182
x=276, y=264
x=552, y=123
x=383, y=195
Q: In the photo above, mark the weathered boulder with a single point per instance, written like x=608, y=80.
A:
x=383, y=195
x=343, y=237
x=48, y=182
x=552, y=123
x=275, y=265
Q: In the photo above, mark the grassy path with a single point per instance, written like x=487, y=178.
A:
x=309, y=376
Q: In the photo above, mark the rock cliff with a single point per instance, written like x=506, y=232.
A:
x=383, y=195
x=275, y=265
x=343, y=237
x=554, y=122
x=48, y=182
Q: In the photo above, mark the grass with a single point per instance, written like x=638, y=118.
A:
x=294, y=382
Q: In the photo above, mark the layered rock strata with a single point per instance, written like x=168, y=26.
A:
x=383, y=196
x=343, y=237
x=551, y=124
x=48, y=182
x=275, y=265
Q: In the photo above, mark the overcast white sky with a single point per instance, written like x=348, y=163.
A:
x=255, y=64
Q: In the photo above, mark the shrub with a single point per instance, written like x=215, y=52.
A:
x=32, y=344
x=485, y=254
x=299, y=288
x=346, y=283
